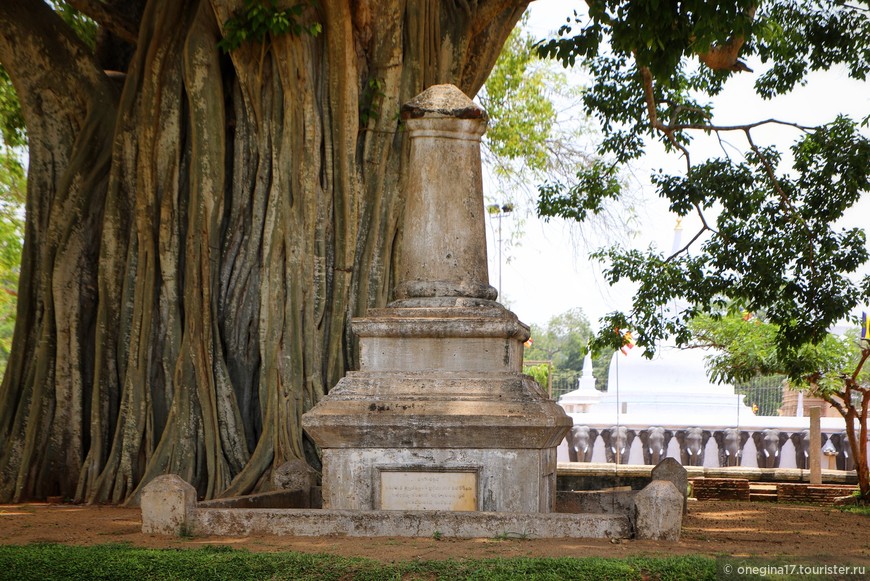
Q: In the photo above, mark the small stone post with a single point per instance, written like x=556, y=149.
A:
x=658, y=512
x=815, y=445
x=168, y=504
x=671, y=470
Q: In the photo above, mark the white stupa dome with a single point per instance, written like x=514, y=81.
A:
x=670, y=370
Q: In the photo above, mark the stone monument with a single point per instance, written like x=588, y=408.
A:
x=439, y=416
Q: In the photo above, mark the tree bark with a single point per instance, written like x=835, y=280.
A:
x=197, y=245
x=69, y=105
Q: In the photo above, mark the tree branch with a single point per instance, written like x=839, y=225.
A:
x=771, y=174
x=865, y=354
x=652, y=114
x=65, y=72
x=744, y=127
x=829, y=397
x=120, y=17
x=649, y=96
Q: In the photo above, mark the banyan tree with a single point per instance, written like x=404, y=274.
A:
x=214, y=190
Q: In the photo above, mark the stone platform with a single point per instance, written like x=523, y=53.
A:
x=169, y=507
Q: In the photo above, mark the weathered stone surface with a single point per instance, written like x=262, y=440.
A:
x=274, y=499
x=436, y=410
x=443, y=255
x=442, y=101
x=658, y=512
x=671, y=470
x=508, y=480
x=396, y=523
x=619, y=502
x=168, y=503
x=448, y=339
x=295, y=475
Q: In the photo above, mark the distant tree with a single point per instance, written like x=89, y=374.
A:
x=564, y=342
x=770, y=239
x=540, y=372
x=744, y=347
x=538, y=135
x=12, y=192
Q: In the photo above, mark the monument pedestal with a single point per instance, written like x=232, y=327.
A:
x=439, y=417
x=439, y=432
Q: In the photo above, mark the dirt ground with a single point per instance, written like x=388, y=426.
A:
x=809, y=534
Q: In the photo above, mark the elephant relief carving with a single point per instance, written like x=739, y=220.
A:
x=730, y=443
x=844, y=447
x=767, y=446
x=617, y=443
x=801, y=441
x=692, y=441
x=655, y=444
x=580, y=441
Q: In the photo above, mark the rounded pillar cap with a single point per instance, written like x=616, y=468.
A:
x=442, y=101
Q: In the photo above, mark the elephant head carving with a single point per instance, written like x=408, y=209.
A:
x=801, y=441
x=844, y=457
x=580, y=441
x=730, y=443
x=767, y=446
x=655, y=444
x=692, y=441
x=617, y=443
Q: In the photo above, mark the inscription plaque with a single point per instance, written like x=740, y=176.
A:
x=415, y=490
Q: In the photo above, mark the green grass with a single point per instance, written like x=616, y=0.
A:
x=47, y=562
x=857, y=509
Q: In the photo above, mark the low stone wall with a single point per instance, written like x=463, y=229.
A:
x=815, y=494
x=601, y=476
x=169, y=507
x=595, y=501
x=720, y=488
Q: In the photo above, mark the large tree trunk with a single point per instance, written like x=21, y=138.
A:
x=197, y=243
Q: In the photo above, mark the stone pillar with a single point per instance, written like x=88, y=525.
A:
x=439, y=416
x=815, y=445
x=443, y=258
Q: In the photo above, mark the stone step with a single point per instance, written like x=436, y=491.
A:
x=769, y=488
x=398, y=523
x=813, y=494
x=763, y=496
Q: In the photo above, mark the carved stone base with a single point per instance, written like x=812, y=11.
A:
x=441, y=407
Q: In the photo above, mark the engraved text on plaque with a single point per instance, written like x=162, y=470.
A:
x=428, y=490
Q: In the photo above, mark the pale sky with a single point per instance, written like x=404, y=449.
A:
x=547, y=273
